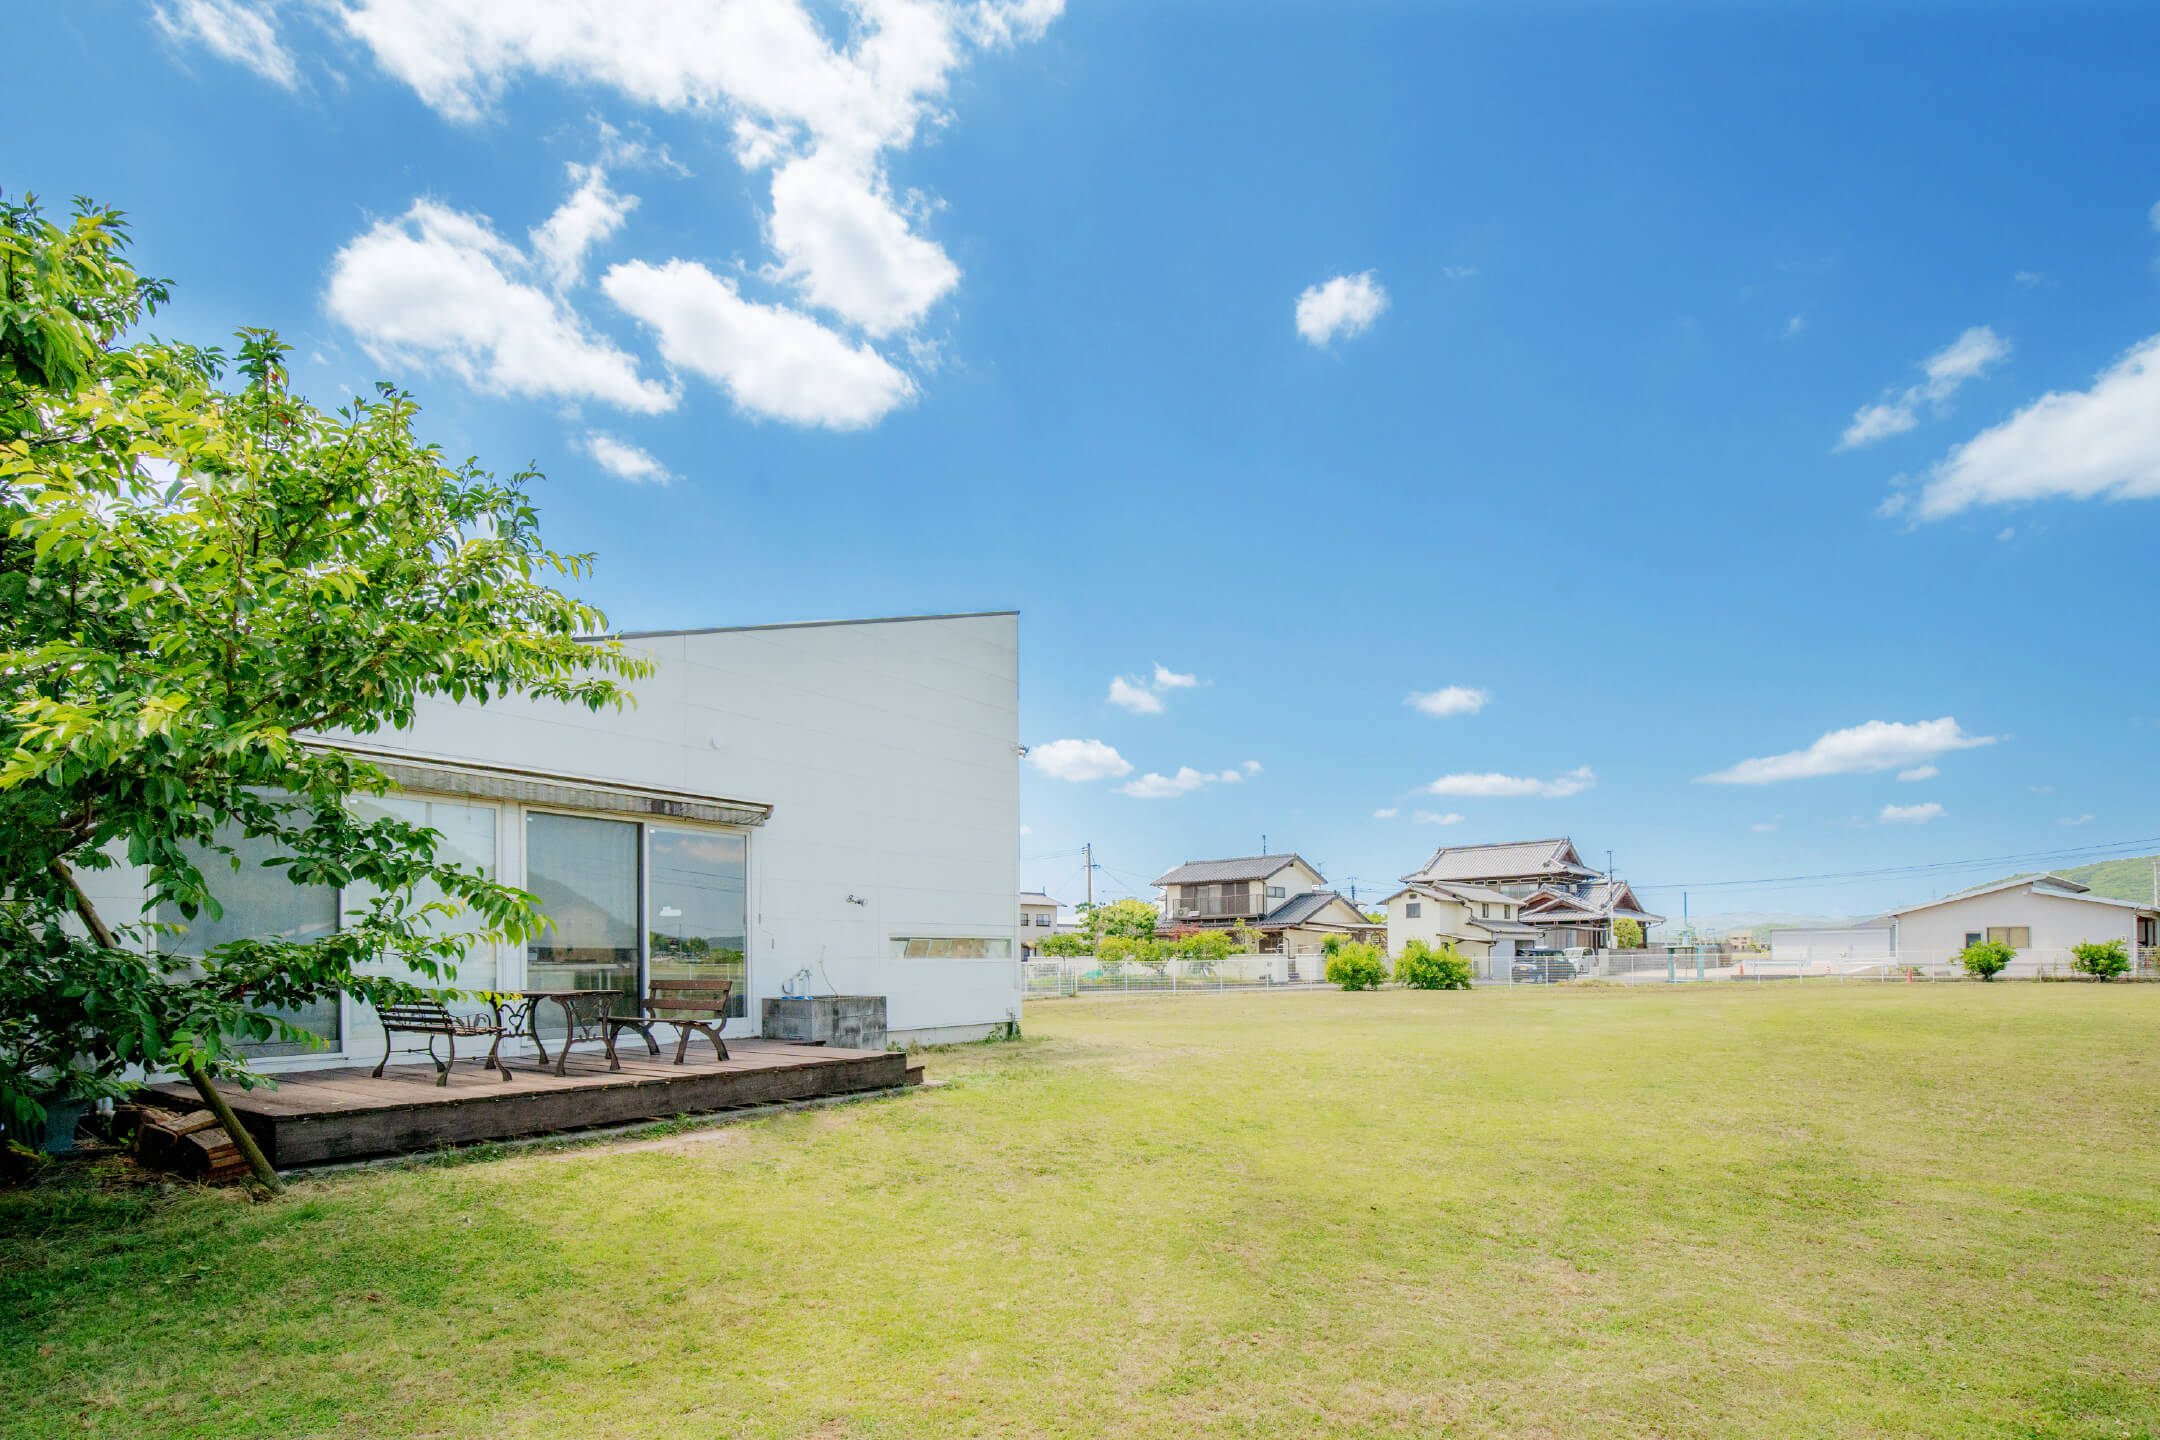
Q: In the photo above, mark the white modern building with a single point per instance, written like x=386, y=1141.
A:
x=822, y=808
x=2039, y=916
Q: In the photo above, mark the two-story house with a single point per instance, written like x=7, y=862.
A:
x=1565, y=903
x=1038, y=921
x=1480, y=923
x=1281, y=899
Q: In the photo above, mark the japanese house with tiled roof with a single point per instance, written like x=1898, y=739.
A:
x=1565, y=904
x=1282, y=899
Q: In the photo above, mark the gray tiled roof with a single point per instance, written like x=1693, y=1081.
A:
x=1300, y=908
x=1598, y=902
x=1249, y=867
x=1505, y=927
x=1035, y=897
x=1503, y=861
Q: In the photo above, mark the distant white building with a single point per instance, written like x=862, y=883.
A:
x=2039, y=916
x=1038, y=921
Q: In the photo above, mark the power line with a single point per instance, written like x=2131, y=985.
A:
x=2079, y=852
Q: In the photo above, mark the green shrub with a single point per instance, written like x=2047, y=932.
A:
x=1985, y=959
x=2101, y=959
x=1424, y=968
x=1357, y=967
x=1332, y=946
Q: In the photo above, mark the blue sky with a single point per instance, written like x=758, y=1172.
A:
x=1681, y=386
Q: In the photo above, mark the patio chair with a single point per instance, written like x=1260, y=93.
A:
x=688, y=1005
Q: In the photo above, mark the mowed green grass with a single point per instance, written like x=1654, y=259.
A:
x=1820, y=1211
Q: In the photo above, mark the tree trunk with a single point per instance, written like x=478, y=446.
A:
x=217, y=1103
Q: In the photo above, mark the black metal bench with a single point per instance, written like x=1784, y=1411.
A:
x=688, y=1005
x=431, y=1018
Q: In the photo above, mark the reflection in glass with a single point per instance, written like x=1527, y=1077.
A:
x=697, y=930
x=259, y=903
x=585, y=874
x=468, y=840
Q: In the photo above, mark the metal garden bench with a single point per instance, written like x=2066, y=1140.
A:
x=688, y=1005
x=430, y=1018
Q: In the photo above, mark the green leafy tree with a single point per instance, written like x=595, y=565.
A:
x=1985, y=959
x=1067, y=943
x=1627, y=934
x=198, y=571
x=1423, y=968
x=1357, y=967
x=1132, y=919
x=2101, y=959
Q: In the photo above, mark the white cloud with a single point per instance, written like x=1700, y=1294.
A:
x=1427, y=817
x=772, y=361
x=2100, y=443
x=233, y=30
x=1457, y=272
x=2026, y=279
x=1909, y=814
x=2153, y=215
x=437, y=287
x=1764, y=827
x=2085, y=819
x=1795, y=325
x=1078, y=760
x=1452, y=700
x=1920, y=772
x=820, y=111
x=1152, y=786
x=1252, y=767
x=623, y=460
x=1387, y=814
x=1144, y=697
x=591, y=214
x=1877, y=745
x=1493, y=786
x=1345, y=305
x=1968, y=357
x=1128, y=696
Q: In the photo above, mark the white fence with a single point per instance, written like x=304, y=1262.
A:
x=1826, y=962
x=1084, y=975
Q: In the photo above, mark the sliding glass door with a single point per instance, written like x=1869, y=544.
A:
x=697, y=908
x=585, y=874
x=258, y=901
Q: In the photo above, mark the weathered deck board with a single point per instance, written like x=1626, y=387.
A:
x=313, y=1117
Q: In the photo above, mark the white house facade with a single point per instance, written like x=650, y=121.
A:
x=2039, y=916
x=824, y=808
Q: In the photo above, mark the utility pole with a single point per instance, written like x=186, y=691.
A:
x=1087, y=852
x=1263, y=842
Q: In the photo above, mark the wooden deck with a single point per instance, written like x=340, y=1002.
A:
x=318, y=1116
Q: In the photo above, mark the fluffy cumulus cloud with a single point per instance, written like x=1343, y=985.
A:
x=1498, y=787
x=2098, y=443
x=773, y=361
x=1388, y=813
x=1968, y=357
x=1346, y=305
x=623, y=460
x=1909, y=814
x=438, y=288
x=1450, y=700
x=1145, y=696
x=1079, y=760
x=1920, y=772
x=1434, y=817
x=232, y=30
x=1152, y=786
x=1863, y=749
x=816, y=98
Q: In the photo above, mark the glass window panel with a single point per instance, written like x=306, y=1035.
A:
x=696, y=929
x=259, y=903
x=941, y=949
x=585, y=874
x=468, y=839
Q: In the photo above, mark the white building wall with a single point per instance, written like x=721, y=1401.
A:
x=889, y=753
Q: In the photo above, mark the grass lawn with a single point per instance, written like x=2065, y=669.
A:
x=1733, y=1211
